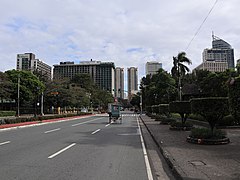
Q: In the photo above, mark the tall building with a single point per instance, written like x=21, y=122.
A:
x=213, y=66
x=28, y=62
x=219, y=58
x=132, y=81
x=152, y=67
x=119, y=82
x=102, y=73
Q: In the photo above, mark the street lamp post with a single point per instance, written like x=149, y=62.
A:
x=42, y=104
x=18, y=96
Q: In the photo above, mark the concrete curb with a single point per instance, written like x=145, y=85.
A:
x=176, y=170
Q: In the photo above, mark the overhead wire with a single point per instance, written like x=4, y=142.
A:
x=199, y=28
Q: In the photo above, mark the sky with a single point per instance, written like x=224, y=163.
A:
x=126, y=32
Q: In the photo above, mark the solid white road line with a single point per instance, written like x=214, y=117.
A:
x=86, y=122
x=107, y=125
x=59, y=152
x=149, y=172
x=94, y=132
x=7, y=142
x=52, y=130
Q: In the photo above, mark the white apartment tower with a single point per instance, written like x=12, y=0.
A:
x=119, y=82
x=132, y=81
x=152, y=67
x=28, y=62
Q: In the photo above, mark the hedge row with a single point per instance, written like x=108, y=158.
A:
x=7, y=113
x=211, y=109
x=38, y=118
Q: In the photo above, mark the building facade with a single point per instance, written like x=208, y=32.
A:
x=102, y=73
x=213, y=66
x=119, y=82
x=219, y=58
x=28, y=62
x=132, y=81
x=152, y=67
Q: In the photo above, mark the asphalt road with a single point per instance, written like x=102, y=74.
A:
x=87, y=148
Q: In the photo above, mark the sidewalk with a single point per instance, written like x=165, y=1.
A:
x=192, y=161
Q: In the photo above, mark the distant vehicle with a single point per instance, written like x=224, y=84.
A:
x=114, y=112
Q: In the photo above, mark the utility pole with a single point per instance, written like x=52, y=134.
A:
x=42, y=104
x=18, y=96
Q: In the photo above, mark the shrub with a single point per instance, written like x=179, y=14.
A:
x=181, y=107
x=212, y=109
x=166, y=120
x=228, y=120
x=204, y=133
x=164, y=109
x=7, y=113
x=196, y=117
x=179, y=124
x=155, y=109
x=149, y=109
x=234, y=98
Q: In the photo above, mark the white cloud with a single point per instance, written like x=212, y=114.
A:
x=106, y=30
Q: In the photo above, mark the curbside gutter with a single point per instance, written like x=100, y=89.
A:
x=176, y=170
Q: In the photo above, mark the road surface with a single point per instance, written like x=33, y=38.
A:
x=86, y=148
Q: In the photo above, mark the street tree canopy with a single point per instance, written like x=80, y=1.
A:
x=30, y=85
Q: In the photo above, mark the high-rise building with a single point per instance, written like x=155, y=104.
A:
x=213, y=66
x=119, y=82
x=219, y=58
x=221, y=51
x=102, y=73
x=152, y=67
x=132, y=81
x=28, y=62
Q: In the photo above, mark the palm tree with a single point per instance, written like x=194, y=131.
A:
x=179, y=69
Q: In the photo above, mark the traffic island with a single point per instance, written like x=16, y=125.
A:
x=221, y=141
x=206, y=136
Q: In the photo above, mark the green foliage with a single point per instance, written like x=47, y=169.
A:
x=84, y=80
x=179, y=69
x=6, y=86
x=214, y=85
x=40, y=118
x=7, y=113
x=181, y=107
x=167, y=120
x=234, y=98
x=228, y=120
x=158, y=88
x=180, y=124
x=196, y=117
x=155, y=109
x=212, y=109
x=149, y=109
x=30, y=85
x=204, y=133
x=164, y=109
x=135, y=101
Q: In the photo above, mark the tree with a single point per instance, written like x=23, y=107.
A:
x=30, y=86
x=84, y=80
x=6, y=87
x=158, y=88
x=234, y=98
x=179, y=69
x=212, y=109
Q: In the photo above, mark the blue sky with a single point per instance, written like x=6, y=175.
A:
x=127, y=32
